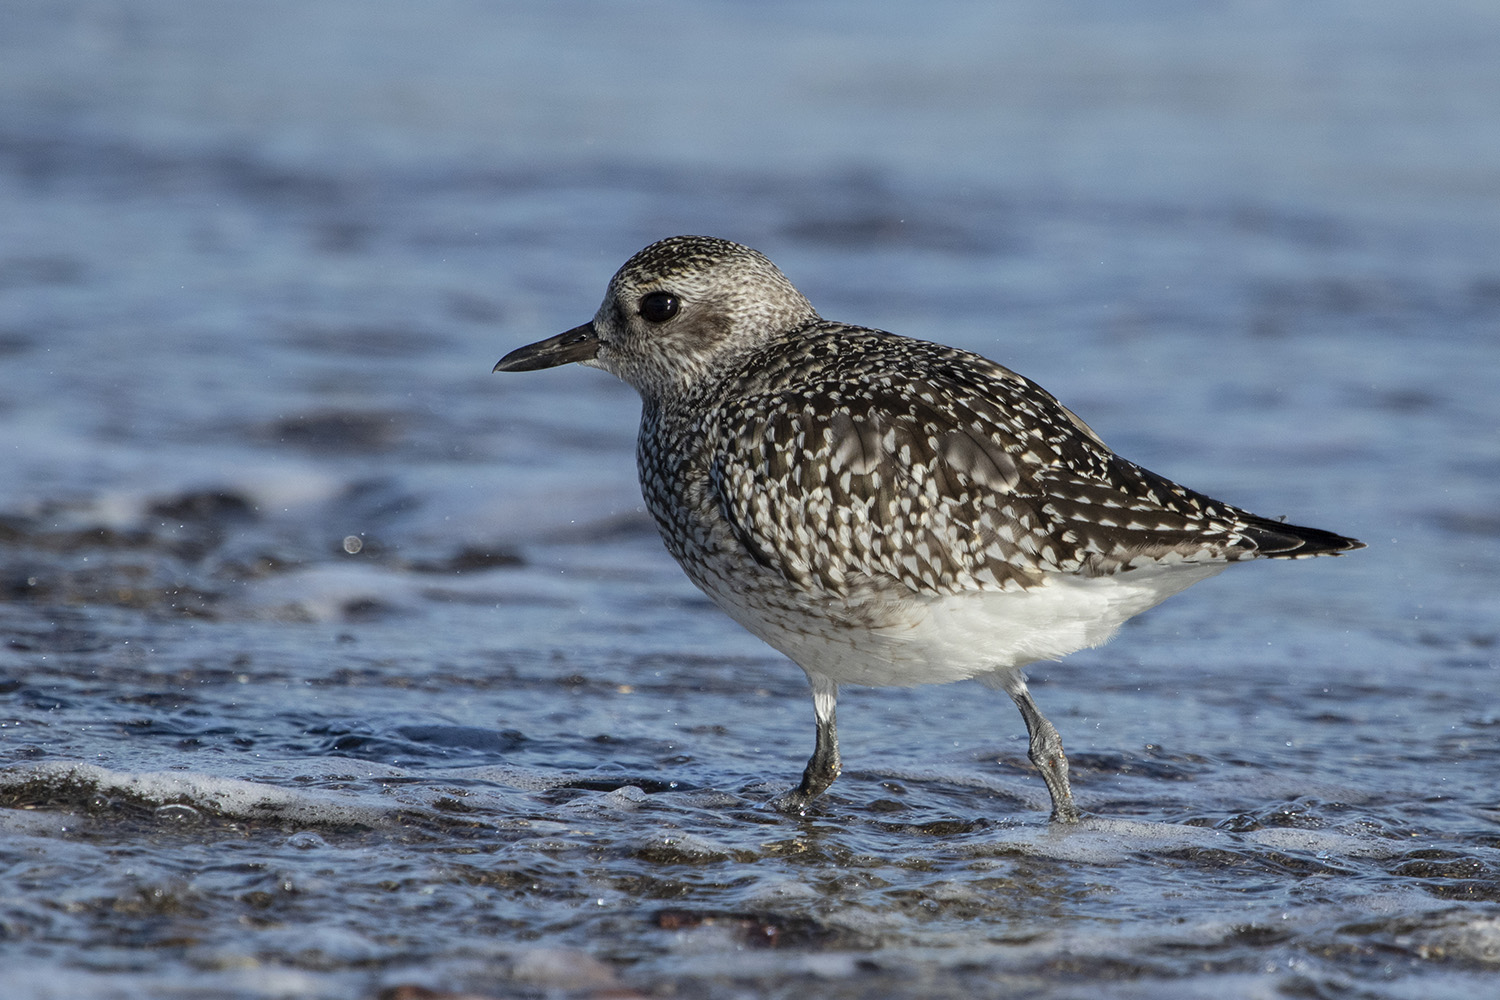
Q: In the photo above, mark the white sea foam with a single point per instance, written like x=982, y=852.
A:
x=1104, y=841
x=228, y=797
x=377, y=791
x=1468, y=937
x=1322, y=842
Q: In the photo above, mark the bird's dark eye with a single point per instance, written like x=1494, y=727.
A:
x=658, y=307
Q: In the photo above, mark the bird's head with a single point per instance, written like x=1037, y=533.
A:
x=675, y=313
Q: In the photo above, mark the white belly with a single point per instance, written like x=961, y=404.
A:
x=937, y=640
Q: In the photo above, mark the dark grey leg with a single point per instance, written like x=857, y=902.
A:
x=824, y=765
x=1046, y=753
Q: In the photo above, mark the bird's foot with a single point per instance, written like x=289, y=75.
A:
x=793, y=803
x=1065, y=812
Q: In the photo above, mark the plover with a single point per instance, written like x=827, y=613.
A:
x=883, y=510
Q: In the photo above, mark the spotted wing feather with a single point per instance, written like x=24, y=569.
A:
x=948, y=473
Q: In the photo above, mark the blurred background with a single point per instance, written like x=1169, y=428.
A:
x=336, y=663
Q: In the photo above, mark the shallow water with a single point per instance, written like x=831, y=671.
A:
x=335, y=665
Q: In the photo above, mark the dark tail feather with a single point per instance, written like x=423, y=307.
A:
x=1279, y=540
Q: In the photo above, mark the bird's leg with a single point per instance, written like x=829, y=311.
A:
x=824, y=765
x=1046, y=752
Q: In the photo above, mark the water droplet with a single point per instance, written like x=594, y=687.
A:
x=179, y=813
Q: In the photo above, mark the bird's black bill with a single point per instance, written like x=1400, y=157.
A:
x=578, y=344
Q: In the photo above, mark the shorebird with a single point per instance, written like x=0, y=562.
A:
x=884, y=510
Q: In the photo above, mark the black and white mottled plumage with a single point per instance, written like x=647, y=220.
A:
x=883, y=510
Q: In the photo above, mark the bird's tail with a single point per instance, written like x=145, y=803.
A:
x=1279, y=540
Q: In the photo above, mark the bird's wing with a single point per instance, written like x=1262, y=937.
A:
x=948, y=473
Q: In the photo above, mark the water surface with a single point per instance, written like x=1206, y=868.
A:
x=336, y=666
